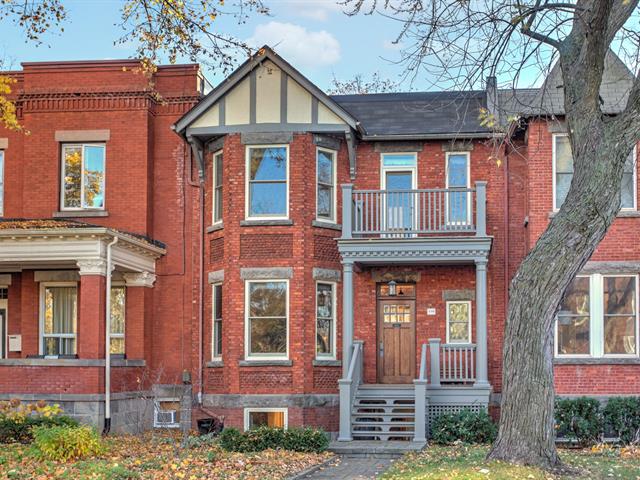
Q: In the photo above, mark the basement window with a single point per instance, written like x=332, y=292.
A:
x=166, y=413
x=269, y=417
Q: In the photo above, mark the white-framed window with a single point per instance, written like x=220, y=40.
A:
x=270, y=417
x=458, y=177
x=1, y=183
x=118, y=319
x=267, y=319
x=326, y=185
x=216, y=315
x=326, y=320
x=83, y=177
x=267, y=189
x=217, y=187
x=459, y=321
x=58, y=318
x=166, y=413
x=598, y=317
x=399, y=173
x=563, y=174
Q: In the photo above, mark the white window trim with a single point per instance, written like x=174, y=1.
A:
x=247, y=200
x=468, y=302
x=213, y=189
x=334, y=287
x=2, y=182
x=264, y=357
x=62, y=171
x=555, y=208
x=4, y=305
x=399, y=168
x=468, y=186
x=122, y=335
x=43, y=286
x=334, y=199
x=596, y=320
x=214, y=356
x=248, y=411
x=156, y=409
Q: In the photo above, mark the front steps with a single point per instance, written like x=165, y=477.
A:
x=383, y=413
x=374, y=448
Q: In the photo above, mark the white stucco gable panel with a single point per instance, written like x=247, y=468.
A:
x=211, y=118
x=238, y=104
x=268, y=92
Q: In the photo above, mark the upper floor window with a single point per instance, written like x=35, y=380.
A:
x=563, y=173
x=1, y=183
x=267, y=318
x=267, y=185
x=457, y=184
x=83, y=169
x=118, y=316
x=58, y=319
x=217, y=187
x=599, y=317
x=326, y=185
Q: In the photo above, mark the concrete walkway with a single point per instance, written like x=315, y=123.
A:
x=351, y=468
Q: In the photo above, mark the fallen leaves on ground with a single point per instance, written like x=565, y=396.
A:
x=157, y=456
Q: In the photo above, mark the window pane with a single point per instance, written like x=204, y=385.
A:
x=619, y=334
x=457, y=171
x=573, y=335
x=459, y=322
x=218, y=167
x=325, y=167
x=324, y=300
x=268, y=335
x=324, y=318
x=325, y=201
x=118, y=309
x=399, y=160
x=116, y=345
x=564, y=158
x=60, y=310
x=217, y=189
x=324, y=336
x=576, y=298
x=72, y=176
x=563, y=182
x=268, y=299
x=626, y=193
x=458, y=206
x=619, y=295
x=93, y=176
x=217, y=320
x=268, y=198
x=217, y=301
x=270, y=419
x=268, y=163
x=399, y=180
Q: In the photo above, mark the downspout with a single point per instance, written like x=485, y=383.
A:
x=107, y=343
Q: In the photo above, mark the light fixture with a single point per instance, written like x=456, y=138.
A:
x=392, y=288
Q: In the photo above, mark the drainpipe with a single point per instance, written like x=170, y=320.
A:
x=107, y=344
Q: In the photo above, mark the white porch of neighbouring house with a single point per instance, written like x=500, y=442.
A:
x=451, y=376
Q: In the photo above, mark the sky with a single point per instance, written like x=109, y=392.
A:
x=315, y=36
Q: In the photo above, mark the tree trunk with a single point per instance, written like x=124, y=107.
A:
x=526, y=433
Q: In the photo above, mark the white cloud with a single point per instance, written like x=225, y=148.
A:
x=318, y=10
x=298, y=45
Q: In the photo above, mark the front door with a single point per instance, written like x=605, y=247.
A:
x=396, y=340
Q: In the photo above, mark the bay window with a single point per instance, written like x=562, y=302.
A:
x=267, y=182
x=325, y=320
x=83, y=175
x=326, y=185
x=267, y=319
x=58, y=319
x=598, y=317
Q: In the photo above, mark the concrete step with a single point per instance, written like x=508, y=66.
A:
x=375, y=448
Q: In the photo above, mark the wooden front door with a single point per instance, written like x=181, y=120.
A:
x=396, y=340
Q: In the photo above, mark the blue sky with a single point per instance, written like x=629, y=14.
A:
x=313, y=35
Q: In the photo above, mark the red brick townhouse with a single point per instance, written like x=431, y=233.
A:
x=345, y=264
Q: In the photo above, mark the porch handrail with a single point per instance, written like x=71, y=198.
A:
x=355, y=367
x=423, y=363
x=420, y=399
x=348, y=388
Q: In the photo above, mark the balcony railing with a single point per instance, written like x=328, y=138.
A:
x=413, y=213
x=452, y=363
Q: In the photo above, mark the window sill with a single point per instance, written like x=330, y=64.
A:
x=621, y=214
x=265, y=363
x=265, y=223
x=329, y=225
x=597, y=361
x=326, y=363
x=80, y=213
x=215, y=228
x=69, y=362
x=214, y=364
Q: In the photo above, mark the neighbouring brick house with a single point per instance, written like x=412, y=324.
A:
x=345, y=263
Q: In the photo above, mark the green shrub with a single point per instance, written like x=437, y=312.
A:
x=66, y=443
x=263, y=438
x=465, y=426
x=20, y=430
x=622, y=417
x=580, y=420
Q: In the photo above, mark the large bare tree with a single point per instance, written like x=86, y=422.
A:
x=457, y=43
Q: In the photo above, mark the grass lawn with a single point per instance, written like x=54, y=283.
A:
x=156, y=456
x=468, y=463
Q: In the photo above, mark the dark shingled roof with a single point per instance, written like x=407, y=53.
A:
x=416, y=113
x=63, y=223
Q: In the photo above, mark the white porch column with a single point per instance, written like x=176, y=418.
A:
x=347, y=315
x=482, y=378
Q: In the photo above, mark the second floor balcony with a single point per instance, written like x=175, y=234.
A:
x=415, y=226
